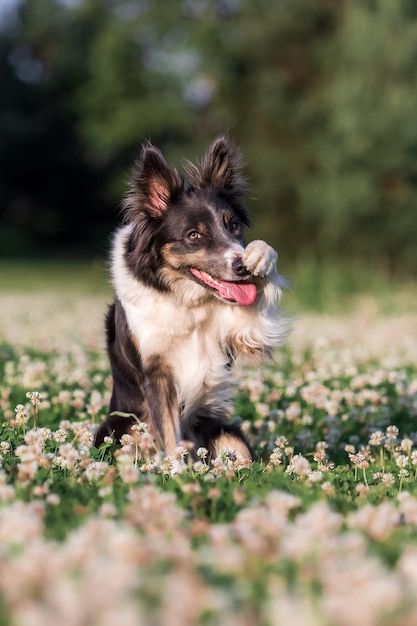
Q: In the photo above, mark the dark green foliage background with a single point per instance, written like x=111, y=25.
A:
x=321, y=95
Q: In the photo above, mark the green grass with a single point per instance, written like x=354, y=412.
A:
x=327, y=513
x=329, y=288
x=340, y=287
x=81, y=276
x=281, y=526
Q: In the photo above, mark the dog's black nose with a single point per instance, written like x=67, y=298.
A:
x=238, y=267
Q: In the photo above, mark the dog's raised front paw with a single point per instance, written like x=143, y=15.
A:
x=259, y=258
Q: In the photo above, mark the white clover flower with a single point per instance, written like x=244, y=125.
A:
x=362, y=490
x=129, y=473
x=191, y=488
x=406, y=445
x=281, y=441
x=402, y=461
x=45, y=433
x=60, y=435
x=22, y=416
x=392, y=432
x=315, y=477
x=86, y=439
x=376, y=438
x=299, y=465
x=200, y=468
x=5, y=447
x=34, y=439
x=148, y=466
x=320, y=456
x=7, y=493
x=388, y=479
x=276, y=457
x=53, y=499
x=359, y=460
x=179, y=453
x=293, y=411
x=126, y=440
x=78, y=399
x=107, y=509
x=202, y=453
x=228, y=455
x=214, y=493
x=95, y=470
x=328, y=488
x=63, y=397
x=35, y=397
x=140, y=427
x=69, y=456
x=96, y=403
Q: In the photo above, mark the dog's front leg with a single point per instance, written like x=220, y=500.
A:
x=162, y=400
x=260, y=258
x=258, y=329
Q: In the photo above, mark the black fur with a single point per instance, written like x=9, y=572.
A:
x=127, y=396
x=164, y=211
x=129, y=378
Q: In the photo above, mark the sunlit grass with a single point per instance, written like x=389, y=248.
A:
x=81, y=276
x=327, y=513
x=339, y=288
x=329, y=288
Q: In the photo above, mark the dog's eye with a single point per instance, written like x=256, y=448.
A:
x=193, y=235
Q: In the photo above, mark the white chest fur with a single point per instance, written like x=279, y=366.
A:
x=190, y=340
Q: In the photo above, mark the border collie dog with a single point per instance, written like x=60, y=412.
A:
x=190, y=299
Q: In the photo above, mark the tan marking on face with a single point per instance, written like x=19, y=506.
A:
x=202, y=229
x=177, y=260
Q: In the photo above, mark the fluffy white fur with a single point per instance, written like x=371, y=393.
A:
x=195, y=332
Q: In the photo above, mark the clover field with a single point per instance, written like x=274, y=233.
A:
x=320, y=531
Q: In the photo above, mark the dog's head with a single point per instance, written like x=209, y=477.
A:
x=190, y=228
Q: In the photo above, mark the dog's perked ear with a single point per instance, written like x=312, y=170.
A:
x=153, y=185
x=220, y=168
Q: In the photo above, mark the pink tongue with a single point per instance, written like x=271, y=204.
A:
x=242, y=293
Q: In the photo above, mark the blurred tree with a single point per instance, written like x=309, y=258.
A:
x=136, y=66
x=264, y=60
x=361, y=192
x=319, y=94
x=183, y=72
x=46, y=184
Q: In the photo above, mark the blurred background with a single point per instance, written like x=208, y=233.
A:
x=320, y=94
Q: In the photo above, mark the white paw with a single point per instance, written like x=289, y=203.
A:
x=259, y=258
